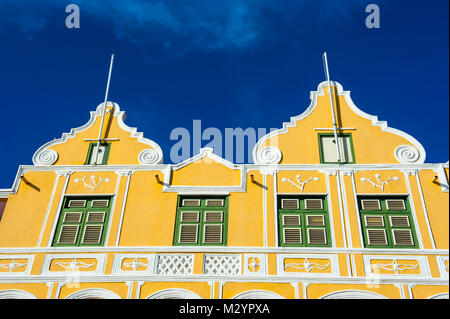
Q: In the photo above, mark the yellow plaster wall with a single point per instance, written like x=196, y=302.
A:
x=124, y=151
x=149, y=217
x=437, y=206
x=202, y=289
x=232, y=289
x=320, y=290
x=301, y=145
x=25, y=211
x=206, y=172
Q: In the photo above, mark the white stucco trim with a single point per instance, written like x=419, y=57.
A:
x=340, y=91
x=204, y=190
x=94, y=293
x=258, y=294
x=16, y=294
x=45, y=156
x=174, y=293
x=353, y=294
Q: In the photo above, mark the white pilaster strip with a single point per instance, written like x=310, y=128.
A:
x=66, y=174
x=422, y=199
x=48, y=211
x=345, y=208
x=113, y=206
x=330, y=209
x=264, y=209
x=355, y=198
x=275, y=207
x=413, y=208
x=341, y=213
x=124, y=202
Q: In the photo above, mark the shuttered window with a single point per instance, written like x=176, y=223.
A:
x=303, y=221
x=328, y=150
x=387, y=222
x=201, y=221
x=102, y=157
x=82, y=222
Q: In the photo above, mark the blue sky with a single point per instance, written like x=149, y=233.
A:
x=241, y=63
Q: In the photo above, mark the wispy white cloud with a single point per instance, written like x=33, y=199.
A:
x=172, y=25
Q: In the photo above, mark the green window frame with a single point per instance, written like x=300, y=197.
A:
x=92, y=146
x=302, y=222
x=201, y=221
x=386, y=223
x=352, y=151
x=83, y=221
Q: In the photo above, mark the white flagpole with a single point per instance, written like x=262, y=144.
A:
x=332, y=107
x=104, y=109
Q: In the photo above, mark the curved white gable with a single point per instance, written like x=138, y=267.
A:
x=373, y=118
x=45, y=156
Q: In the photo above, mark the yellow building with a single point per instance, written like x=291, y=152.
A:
x=295, y=224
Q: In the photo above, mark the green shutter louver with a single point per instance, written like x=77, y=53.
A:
x=82, y=221
x=387, y=222
x=201, y=220
x=303, y=221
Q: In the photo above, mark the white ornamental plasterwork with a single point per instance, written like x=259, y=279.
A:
x=222, y=265
x=138, y=265
x=300, y=185
x=12, y=265
x=406, y=154
x=45, y=157
x=396, y=266
x=443, y=266
x=269, y=155
x=329, y=261
x=175, y=265
x=92, y=182
x=10, y=262
x=135, y=264
x=74, y=265
x=150, y=156
x=254, y=264
x=307, y=265
x=379, y=182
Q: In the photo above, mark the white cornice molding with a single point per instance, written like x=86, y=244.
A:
x=217, y=249
x=165, y=168
x=420, y=158
x=45, y=156
x=204, y=152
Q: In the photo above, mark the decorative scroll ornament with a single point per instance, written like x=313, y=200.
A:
x=93, y=184
x=135, y=264
x=254, y=264
x=395, y=267
x=307, y=265
x=380, y=182
x=269, y=155
x=301, y=184
x=74, y=265
x=45, y=157
x=12, y=265
x=149, y=156
x=406, y=154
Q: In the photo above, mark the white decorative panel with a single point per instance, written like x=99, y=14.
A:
x=133, y=264
x=307, y=265
x=222, y=265
x=15, y=265
x=175, y=265
x=255, y=264
x=74, y=265
x=442, y=262
x=396, y=266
